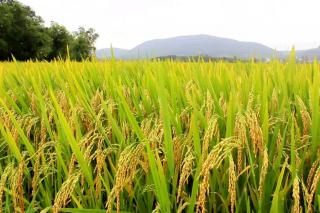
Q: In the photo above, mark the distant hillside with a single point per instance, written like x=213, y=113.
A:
x=199, y=45
x=309, y=54
x=106, y=52
x=205, y=45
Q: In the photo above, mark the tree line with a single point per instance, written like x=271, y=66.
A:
x=24, y=36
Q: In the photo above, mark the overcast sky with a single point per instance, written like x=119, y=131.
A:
x=126, y=23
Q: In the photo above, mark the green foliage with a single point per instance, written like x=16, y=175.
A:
x=24, y=36
x=22, y=33
x=61, y=39
x=82, y=45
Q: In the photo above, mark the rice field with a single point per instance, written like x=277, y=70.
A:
x=150, y=136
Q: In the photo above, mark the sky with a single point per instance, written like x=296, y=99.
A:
x=279, y=24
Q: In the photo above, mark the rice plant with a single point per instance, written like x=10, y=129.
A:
x=151, y=136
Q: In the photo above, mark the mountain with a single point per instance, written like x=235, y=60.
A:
x=192, y=45
x=205, y=45
x=106, y=52
x=308, y=54
x=199, y=45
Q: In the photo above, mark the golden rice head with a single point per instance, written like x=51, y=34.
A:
x=211, y=132
x=186, y=171
x=296, y=196
x=306, y=119
x=216, y=156
x=178, y=148
x=313, y=189
x=16, y=185
x=250, y=102
x=63, y=196
x=255, y=132
x=63, y=102
x=127, y=168
x=223, y=105
x=96, y=101
x=263, y=173
x=100, y=155
x=209, y=106
x=232, y=184
x=312, y=171
x=20, y=190
x=3, y=181
x=240, y=132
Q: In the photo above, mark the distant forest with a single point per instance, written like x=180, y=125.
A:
x=24, y=36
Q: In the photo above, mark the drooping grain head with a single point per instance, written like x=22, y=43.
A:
x=255, y=132
x=305, y=116
x=35, y=178
x=232, y=184
x=100, y=155
x=3, y=181
x=127, y=168
x=33, y=101
x=209, y=106
x=16, y=185
x=296, y=196
x=240, y=133
x=178, y=148
x=216, y=156
x=186, y=171
x=211, y=132
x=96, y=101
x=63, y=196
x=63, y=102
x=20, y=190
x=13, y=187
x=223, y=105
x=250, y=102
x=311, y=174
x=263, y=173
x=313, y=189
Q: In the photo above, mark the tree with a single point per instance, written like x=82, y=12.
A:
x=24, y=36
x=6, y=1
x=60, y=40
x=83, y=44
x=22, y=33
